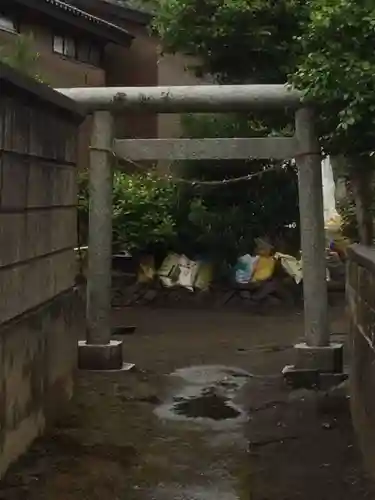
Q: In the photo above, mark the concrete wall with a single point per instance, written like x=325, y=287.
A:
x=39, y=311
x=361, y=307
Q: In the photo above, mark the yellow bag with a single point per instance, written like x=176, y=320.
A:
x=264, y=268
x=204, y=276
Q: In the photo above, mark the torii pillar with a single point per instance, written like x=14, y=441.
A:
x=316, y=355
x=99, y=351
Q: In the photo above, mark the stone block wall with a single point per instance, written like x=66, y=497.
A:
x=39, y=311
x=361, y=307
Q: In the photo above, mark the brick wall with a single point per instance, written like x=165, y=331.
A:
x=361, y=308
x=39, y=311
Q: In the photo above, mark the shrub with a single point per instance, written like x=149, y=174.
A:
x=222, y=222
x=143, y=208
x=348, y=213
x=349, y=223
x=143, y=212
x=157, y=215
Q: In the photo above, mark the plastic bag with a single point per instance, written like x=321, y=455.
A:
x=178, y=270
x=291, y=266
x=188, y=272
x=169, y=270
x=264, y=268
x=244, y=269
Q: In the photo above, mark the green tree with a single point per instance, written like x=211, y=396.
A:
x=336, y=70
x=237, y=40
x=240, y=41
x=324, y=47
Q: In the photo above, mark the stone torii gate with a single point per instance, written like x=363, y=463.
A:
x=99, y=351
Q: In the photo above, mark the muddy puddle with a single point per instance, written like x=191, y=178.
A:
x=207, y=405
x=208, y=395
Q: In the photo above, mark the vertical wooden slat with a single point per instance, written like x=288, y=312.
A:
x=20, y=134
x=14, y=182
x=8, y=121
x=38, y=126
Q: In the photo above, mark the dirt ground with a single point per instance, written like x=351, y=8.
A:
x=123, y=438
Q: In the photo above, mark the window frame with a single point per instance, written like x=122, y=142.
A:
x=54, y=43
x=85, y=51
x=8, y=29
x=97, y=60
x=65, y=40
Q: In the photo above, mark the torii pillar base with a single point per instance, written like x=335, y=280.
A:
x=106, y=357
x=316, y=367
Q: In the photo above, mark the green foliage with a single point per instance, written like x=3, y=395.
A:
x=21, y=56
x=216, y=221
x=143, y=212
x=337, y=70
x=223, y=221
x=237, y=40
x=158, y=215
x=326, y=48
x=348, y=215
x=323, y=47
x=337, y=73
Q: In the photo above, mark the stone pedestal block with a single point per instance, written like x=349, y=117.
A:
x=313, y=365
x=100, y=357
x=327, y=359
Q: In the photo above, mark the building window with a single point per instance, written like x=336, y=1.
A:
x=58, y=44
x=65, y=46
x=70, y=47
x=89, y=53
x=82, y=51
x=8, y=24
x=95, y=56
